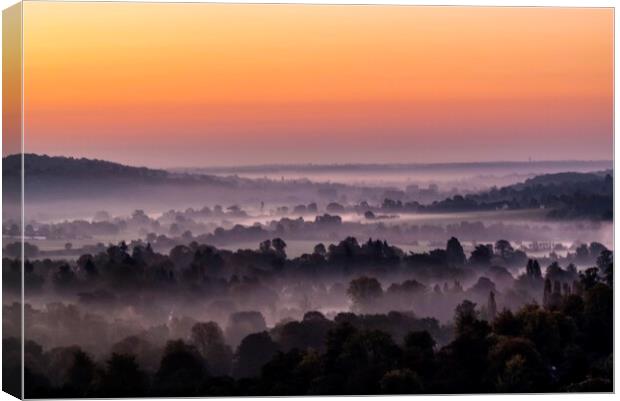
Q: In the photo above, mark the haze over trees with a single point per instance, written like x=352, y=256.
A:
x=565, y=347
x=273, y=286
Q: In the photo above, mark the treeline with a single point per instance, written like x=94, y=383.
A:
x=139, y=266
x=564, y=347
x=175, y=228
x=564, y=195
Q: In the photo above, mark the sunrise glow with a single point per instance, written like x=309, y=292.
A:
x=245, y=84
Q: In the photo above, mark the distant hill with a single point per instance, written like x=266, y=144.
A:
x=37, y=165
x=60, y=186
x=565, y=195
x=60, y=168
x=69, y=168
x=64, y=183
x=65, y=187
x=565, y=179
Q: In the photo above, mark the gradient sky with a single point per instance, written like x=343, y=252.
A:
x=221, y=84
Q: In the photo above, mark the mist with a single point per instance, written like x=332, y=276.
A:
x=219, y=266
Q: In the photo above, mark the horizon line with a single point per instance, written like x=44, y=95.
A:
x=392, y=164
x=332, y=165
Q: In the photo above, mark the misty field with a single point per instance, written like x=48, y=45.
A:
x=261, y=286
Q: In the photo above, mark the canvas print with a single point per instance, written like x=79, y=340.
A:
x=215, y=200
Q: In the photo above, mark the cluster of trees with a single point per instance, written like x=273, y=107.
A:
x=328, y=226
x=565, y=195
x=139, y=268
x=564, y=347
x=196, y=282
x=216, y=226
x=564, y=344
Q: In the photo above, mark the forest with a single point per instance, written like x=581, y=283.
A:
x=308, y=280
x=537, y=332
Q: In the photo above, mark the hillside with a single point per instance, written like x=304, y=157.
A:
x=566, y=195
x=69, y=168
x=108, y=185
x=51, y=181
x=72, y=167
x=91, y=185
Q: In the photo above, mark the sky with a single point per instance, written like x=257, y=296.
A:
x=11, y=80
x=170, y=85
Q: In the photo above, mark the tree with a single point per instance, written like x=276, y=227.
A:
x=465, y=314
x=418, y=353
x=279, y=246
x=598, y=313
x=596, y=248
x=307, y=334
x=209, y=340
x=483, y=286
x=282, y=375
x=491, y=306
x=64, y=276
x=241, y=324
x=319, y=249
x=605, y=263
x=86, y=264
x=181, y=371
x=265, y=246
x=516, y=366
x=571, y=269
x=582, y=254
x=147, y=355
x=204, y=335
x=481, y=255
x=548, y=330
x=364, y=291
x=123, y=377
x=589, y=278
x=504, y=248
x=533, y=269
x=312, y=207
x=506, y=324
x=454, y=252
x=81, y=373
x=401, y=381
x=366, y=356
x=254, y=351
x=461, y=362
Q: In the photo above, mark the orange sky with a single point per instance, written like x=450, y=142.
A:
x=203, y=84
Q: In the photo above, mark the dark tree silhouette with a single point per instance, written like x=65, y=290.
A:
x=123, y=377
x=364, y=292
x=254, y=351
x=454, y=252
x=209, y=340
x=481, y=255
x=181, y=372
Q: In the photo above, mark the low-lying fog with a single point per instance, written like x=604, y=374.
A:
x=390, y=250
x=464, y=177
